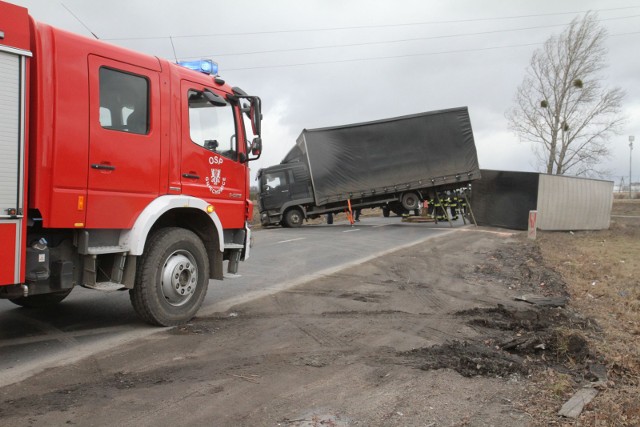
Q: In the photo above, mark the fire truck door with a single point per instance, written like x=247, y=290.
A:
x=210, y=167
x=12, y=143
x=124, y=152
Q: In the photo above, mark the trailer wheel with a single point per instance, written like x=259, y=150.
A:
x=172, y=277
x=42, y=300
x=293, y=218
x=410, y=201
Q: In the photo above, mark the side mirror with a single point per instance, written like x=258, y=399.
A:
x=255, y=114
x=256, y=148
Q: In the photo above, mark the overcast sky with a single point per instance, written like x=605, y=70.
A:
x=324, y=63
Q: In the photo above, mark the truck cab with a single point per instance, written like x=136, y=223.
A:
x=283, y=189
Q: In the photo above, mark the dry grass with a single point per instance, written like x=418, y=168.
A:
x=602, y=273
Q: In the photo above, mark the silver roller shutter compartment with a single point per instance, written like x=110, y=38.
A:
x=10, y=135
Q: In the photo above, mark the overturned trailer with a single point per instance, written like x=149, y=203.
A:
x=392, y=163
x=505, y=198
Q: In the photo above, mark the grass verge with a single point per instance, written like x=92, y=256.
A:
x=602, y=274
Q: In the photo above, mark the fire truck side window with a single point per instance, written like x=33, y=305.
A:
x=124, y=101
x=212, y=127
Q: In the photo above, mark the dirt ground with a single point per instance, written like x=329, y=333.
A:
x=431, y=335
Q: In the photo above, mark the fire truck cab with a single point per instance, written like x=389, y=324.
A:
x=119, y=170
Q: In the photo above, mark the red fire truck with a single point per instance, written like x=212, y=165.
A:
x=118, y=170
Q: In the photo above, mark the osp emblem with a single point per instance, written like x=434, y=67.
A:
x=216, y=182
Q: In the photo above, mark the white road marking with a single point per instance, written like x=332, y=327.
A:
x=349, y=231
x=291, y=240
x=499, y=233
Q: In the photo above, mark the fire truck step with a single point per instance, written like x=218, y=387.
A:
x=233, y=246
x=106, y=286
x=99, y=250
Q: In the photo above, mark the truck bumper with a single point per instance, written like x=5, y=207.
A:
x=270, y=218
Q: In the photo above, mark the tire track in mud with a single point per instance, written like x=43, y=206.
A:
x=322, y=336
x=374, y=289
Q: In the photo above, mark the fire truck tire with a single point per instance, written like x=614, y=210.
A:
x=293, y=218
x=172, y=277
x=42, y=300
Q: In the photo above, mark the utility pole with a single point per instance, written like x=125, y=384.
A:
x=631, y=138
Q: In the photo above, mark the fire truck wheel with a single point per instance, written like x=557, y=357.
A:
x=42, y=300
x=172, y=277
x=293, y=218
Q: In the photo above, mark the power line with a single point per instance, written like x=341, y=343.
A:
x=382, y=57
x=217, y=55
x=375, y=58
x=306, y=30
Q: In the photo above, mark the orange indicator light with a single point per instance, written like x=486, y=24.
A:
x=210, y=209
x=80, y=203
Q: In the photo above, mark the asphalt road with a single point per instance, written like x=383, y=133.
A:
x=90, y=321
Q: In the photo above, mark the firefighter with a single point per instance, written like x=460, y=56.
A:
x=464, y=209
x=440, y=208
x=453, y=206
x=430, y=205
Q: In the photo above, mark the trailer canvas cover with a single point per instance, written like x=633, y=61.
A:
x=409, y=152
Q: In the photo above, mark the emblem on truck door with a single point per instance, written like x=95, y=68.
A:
x=215, y=176
x=215, y=182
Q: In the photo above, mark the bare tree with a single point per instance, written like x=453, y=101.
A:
x=561, y=106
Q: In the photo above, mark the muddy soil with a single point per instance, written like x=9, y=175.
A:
x=428, y=336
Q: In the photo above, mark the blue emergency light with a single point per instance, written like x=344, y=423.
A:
x=205, y=66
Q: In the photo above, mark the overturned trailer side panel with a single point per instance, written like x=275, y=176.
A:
x=389, y=156
x=568, y=203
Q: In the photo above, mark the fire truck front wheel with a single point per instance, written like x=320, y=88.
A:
x=172, y=277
